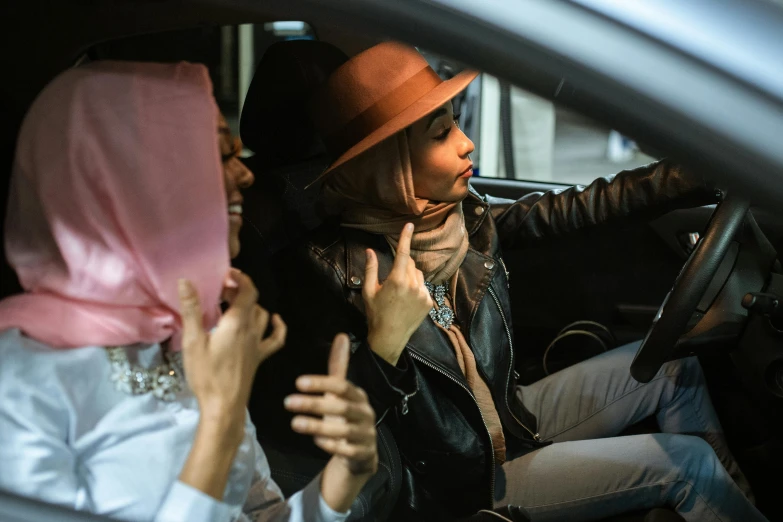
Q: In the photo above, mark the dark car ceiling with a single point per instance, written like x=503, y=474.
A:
x=41, y=38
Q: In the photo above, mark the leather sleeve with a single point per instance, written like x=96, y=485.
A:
x=386, y=385
x=642, y=193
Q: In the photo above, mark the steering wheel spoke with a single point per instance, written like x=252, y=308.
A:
x=675, y=314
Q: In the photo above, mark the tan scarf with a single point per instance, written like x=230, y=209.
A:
x=467, y=363
x=374, y=192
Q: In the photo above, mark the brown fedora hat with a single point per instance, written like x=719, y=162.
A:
x=376, y=94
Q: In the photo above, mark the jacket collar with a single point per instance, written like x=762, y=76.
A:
x=475, y=210
x=473, y=278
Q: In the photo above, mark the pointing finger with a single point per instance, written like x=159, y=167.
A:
x=338, y=358
x=402, y=258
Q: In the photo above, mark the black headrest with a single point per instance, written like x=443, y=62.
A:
x=275, y=123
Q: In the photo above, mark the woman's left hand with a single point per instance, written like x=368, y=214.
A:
x=342, y=422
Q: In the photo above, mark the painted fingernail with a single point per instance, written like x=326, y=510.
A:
x=409, y=227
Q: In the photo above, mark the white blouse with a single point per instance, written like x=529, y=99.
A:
x=69, y=437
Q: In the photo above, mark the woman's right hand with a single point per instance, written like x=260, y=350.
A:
x=396, y=308
x=220, y=365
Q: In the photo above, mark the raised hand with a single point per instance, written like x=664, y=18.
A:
x=395, y=308
x=220, y=366
x=342, y=422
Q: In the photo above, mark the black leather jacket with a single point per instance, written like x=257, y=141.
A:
x=425, y=399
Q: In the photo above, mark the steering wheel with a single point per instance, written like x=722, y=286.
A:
x=690, y=286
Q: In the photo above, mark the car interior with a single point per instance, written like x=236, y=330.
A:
x=582, y=294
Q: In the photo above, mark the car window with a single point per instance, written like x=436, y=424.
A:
x=519, y=135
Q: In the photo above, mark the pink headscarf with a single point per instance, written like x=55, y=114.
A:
x=116, y=193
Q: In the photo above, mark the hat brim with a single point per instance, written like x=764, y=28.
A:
x=419, y=109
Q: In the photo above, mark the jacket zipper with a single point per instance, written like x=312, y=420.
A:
x=536, y=436
x=486, y=428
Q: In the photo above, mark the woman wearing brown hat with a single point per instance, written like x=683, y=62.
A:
x=469, y=436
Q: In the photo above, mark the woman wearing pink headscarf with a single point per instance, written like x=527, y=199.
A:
x=123, y=390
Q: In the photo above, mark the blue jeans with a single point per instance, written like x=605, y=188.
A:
x=588, y=473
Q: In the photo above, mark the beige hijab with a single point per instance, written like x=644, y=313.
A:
x=374, y=192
